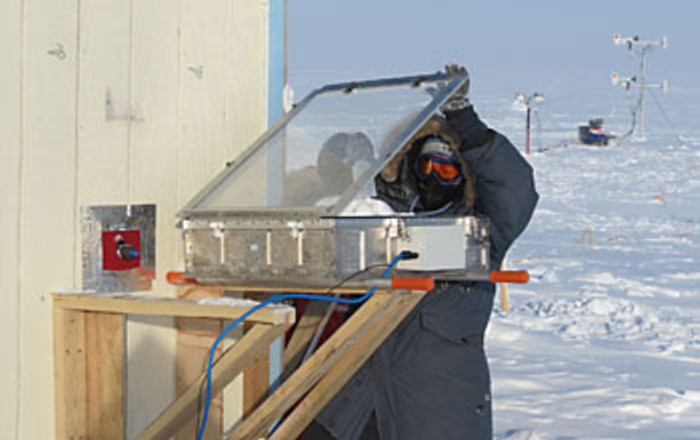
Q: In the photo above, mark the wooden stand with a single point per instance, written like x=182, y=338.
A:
x=89, y=363
x=329, y=368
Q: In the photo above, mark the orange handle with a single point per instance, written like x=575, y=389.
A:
x=175, y=277
x=509, y=276
x=413, y=283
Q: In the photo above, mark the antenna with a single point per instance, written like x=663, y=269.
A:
x=528, y=102
x=638, y=49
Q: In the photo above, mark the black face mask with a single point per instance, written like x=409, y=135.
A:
x=434, y=196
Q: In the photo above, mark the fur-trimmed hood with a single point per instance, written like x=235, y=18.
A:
x=397, y=171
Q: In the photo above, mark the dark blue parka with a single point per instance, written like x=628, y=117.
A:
x=430, y=379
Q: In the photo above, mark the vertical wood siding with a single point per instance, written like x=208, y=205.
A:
x=110, y=102
x=10, y=159
x=48, y=197
x=201, y=106
x=152, y=141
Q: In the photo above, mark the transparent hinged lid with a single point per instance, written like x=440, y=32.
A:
x=324, y=154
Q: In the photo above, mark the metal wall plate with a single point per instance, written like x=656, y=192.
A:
x=94, y=220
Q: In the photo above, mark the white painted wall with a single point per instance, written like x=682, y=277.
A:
x=10, y=80
x=109, y=101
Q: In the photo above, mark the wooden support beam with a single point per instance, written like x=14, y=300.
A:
x=256, y=375
x=194, y=340
x=256, y=381
x=304, y=413
x=503, y=290
x=70, y=364
x=88, y=368
x=303, y=332
x=159, y=306
x=299, y=383
x=104, y=335
x=254, y=343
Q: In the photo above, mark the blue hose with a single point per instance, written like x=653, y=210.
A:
x=274, y=299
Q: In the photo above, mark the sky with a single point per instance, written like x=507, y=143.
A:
x=533, y=42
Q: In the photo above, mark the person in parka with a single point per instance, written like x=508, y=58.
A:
x=430, y=380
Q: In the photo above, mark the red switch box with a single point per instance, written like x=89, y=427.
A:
x=121, y=250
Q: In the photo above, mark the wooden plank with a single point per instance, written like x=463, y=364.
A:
x=245, y=90
x=303, y=333
x=153, y=130
x=503, y=292
x=70, y=374
x=10, y=160
x=48, y=208
x=252, y=346
x=158, y=306
x=232, y=394
x=201, y=107
x=104, y=109
x=256, y=382
x=194, y=340
x=304, y=413
x=245, y=80
x=299, y=383
x=104, y=333
x=256, y=375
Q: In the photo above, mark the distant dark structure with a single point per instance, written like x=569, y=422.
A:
x=593, y=134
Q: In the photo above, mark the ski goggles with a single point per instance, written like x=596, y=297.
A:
x=444, y=168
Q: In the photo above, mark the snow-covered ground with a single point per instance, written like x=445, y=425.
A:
x=604, y=343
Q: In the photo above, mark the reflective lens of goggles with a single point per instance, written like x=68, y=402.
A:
x=441, y=166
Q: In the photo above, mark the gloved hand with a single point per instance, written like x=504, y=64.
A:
x=459, y=99
x=461, y=116
x=471, y=130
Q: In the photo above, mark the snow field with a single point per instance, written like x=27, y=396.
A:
x=604, y=343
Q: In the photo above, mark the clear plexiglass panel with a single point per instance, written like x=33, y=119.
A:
x=328, y=148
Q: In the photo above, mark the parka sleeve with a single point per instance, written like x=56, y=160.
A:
x=505, y=190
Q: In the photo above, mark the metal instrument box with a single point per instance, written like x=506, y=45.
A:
x=296, y=209
x=324, y=251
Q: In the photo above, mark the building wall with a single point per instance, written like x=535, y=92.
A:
x=110, y=102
